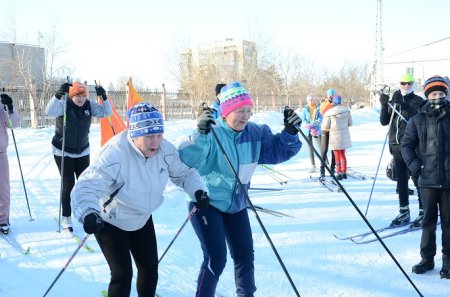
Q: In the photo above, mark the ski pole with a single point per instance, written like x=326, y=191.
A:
x=359, y=212
x=393, y=107
x=277, y=172
x=109, y=117
x=18, y=160
x=191, y=214
x=83, y=241
x=66, y=97
x=254, y=210
x=275, y=177
x=384, y=90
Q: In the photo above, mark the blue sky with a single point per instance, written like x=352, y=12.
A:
x=105, y=40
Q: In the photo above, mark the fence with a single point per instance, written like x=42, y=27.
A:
x=178, y=106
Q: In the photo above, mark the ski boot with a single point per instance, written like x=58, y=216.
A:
x=418, y=221
x=402, y=218
x=4, y=228
x=66, y=223
x=445, y=273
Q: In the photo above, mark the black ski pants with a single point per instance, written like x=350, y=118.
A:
x=72, y=167
x=118, y=246
x=435, y=201
x=325, y=139
x=402, y=173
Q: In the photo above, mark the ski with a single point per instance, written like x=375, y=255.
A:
x=272, y=212
x=330, y=185
x=392, y=234
x=15, y=244
x=357, y=174
x=105, y=293
x=77, y=239
x=364, y=234
x=266, y=189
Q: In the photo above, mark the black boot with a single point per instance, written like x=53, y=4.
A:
x=445, y=273
x=423, y=266
x=402, y=218
x=418, y=221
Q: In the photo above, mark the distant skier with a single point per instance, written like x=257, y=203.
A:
x=336, y=122
x=311, y=121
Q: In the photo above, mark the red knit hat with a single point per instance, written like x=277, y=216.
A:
x=78, y=88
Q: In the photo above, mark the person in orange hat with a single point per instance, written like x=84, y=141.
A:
x=73, y=111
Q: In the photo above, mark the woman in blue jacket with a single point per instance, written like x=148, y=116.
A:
x=311, y=121
x=226, y=220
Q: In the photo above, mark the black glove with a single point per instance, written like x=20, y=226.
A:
x=384, y=99
x=202, y=198
x=92, y=223
x=397, y=98
x=291, y=121
x=6, y=100
x=101, y=92
x=63, y=90
x=204, y=119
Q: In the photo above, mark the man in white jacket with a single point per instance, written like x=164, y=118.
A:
x=115, y=198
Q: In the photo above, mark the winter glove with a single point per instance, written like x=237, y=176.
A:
x=308, y=126
x=63, y=90
x=397, y=98
x=6, y=100
x=101, y=92
x=291, y=121
x=384, y=99
x=202, y=198
x=92, y=223
x=205, y=119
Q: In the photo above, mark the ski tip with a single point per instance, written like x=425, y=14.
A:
x=27, y=251
x=104, y=293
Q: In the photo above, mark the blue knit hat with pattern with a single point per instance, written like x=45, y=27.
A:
x=145, y=119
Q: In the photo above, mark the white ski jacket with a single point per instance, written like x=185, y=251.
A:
x=125, y=187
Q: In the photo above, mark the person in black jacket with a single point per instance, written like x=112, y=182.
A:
x=73, y=114
x=426, y=151
x=407, y=104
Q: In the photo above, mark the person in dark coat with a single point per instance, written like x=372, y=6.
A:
x=406, y=104
x=426, y=151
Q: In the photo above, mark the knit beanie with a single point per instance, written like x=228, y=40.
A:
x=435, y=83
x=331, y=92
x=336, y=99
x=78, y=88
x=232, y=96
x=218, y=88
x=145, y=119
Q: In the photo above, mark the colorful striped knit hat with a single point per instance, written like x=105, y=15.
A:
x=145, y=119
x=232, y=96
x=435, y=83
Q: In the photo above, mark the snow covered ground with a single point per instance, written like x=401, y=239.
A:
x=318, y=263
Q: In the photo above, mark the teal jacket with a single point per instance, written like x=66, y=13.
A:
x=256, y=144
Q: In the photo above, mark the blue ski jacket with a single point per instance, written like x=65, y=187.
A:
x=254, y=145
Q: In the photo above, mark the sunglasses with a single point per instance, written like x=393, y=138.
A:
x=406, y=83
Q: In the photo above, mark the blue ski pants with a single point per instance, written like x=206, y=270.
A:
x=215, y=230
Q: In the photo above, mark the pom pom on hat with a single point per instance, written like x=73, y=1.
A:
x=145, y=119
x=331, y=92
x=232, y=96
x=435, y=83
x=218, y=88
x=78, y=88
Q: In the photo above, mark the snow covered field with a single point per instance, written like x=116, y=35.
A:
x=318, y=263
